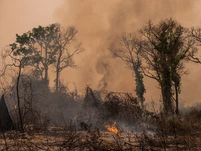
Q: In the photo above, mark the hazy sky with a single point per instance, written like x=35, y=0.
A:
x=99, y=23
x=18, y=16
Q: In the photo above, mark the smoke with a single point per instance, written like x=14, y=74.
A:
x=17, y=17
x=101, y=22
x=21, y=15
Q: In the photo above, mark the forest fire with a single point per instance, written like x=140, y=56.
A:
x=100, y=75
x=112, y=128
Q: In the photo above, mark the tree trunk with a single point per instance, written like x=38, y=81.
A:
x=140, y=89
x=46, y=76
x=167, y=92
x=177, y=99
x=21, y=127
x=46, y=67
x=166, y=96
x=57, y=80
x=58, y=71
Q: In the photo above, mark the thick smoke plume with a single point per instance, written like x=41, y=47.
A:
x=101, y=22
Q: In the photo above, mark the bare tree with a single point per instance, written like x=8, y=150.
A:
x=196, y=34
x=17, y=62
x=65, y=54
x=129, y=51
x=21, y=90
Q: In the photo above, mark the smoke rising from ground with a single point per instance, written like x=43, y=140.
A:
x=99, y=24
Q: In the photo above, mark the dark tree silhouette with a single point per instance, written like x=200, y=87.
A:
x=65, y=54
x=5, y=119
x=167, y=46
x=129, y=51
x=37, y=49
x=46, y=46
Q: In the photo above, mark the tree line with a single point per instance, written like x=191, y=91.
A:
x=43, y=47
x=158, y=51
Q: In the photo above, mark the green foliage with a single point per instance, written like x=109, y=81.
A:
x=36, y=48
x=167, y=46
x=45, y=46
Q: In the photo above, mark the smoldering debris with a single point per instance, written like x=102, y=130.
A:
x=81, y=122
x=119, y=107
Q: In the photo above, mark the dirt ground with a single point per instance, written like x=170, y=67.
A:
x=57, y=140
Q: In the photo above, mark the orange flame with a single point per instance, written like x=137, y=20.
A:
x=15, y=107
x=112, y=128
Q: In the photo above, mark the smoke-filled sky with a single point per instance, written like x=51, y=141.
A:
x=99, y=24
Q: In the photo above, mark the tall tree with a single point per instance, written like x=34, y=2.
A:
x=43, y=38
x=37, y=49
x=65, y=53
x=46, y=46
x=166, y=47
x=18, y=62
x=129, y=51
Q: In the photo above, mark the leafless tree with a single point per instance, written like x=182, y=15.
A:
x=129, y=51
x=16, y=62
x=196, y=34
x=65, y=53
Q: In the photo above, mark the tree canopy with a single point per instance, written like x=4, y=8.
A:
x=45, y=46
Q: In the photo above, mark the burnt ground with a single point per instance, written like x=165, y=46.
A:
x=58, y=139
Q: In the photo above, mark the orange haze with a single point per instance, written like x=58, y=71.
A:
x=99, y=23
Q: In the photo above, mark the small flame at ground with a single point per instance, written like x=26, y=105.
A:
x=112, y=128
x=15, y=107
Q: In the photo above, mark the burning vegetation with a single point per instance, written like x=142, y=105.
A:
x=39, y=117
x=112, y=128
x=88, y=128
